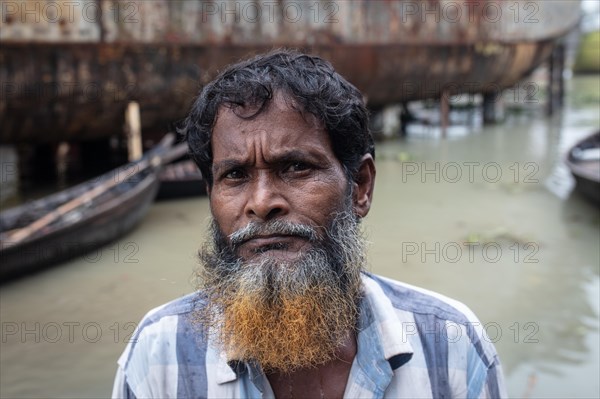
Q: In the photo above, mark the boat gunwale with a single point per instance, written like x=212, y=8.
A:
x=575, y=166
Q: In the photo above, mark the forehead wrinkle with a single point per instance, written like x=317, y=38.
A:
x=246, y=153
x=272, y=138
x=261, y=145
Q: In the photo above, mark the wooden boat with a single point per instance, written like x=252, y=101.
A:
x=74, y=221
x=584, y=162
x=179, y=180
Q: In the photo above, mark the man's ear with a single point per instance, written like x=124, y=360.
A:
x=364, y=184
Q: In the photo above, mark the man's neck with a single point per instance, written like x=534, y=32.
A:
x=325, y=381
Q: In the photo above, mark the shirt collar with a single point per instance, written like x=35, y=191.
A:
x=382, y=343
x=225, y=372
x=387, y=326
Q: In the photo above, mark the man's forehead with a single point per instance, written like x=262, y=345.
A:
x=277, y=134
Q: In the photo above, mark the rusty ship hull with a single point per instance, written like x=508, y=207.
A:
x=71, y=79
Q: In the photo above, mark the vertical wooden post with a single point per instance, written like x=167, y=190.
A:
x=445, y=110
x=9, y=172
x=489, y=109
x=560, y=74
x=133, y=131
x=551, y=79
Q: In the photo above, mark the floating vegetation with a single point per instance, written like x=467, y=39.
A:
x=404, y=156
x=500, y=235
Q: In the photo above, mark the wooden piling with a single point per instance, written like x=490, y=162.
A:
x=561, y=69
x=550, y=100
x=556, y=84
x=489, y=109
x=133, y=128
x=445, y=111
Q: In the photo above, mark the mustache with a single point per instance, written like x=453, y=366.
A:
x=276, y=227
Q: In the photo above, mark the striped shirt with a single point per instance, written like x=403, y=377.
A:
x=411, y=343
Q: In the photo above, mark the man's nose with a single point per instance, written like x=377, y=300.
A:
x=265, y=200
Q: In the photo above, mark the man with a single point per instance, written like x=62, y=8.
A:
x=284, y=307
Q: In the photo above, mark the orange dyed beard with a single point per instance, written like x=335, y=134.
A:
x=294, y=332
x=284, y=315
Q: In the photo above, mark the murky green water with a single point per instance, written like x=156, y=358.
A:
x=485, y=216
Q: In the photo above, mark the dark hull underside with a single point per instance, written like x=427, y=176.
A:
x=179, y=180
x=181, y=189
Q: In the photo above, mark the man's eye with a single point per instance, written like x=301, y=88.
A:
x=234, y=174
x=297, y=167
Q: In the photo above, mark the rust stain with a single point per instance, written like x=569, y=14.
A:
x=70, y=78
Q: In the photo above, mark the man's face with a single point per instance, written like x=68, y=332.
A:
x=285, y=242
x=278, y=165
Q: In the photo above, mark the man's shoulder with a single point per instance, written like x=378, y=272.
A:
x=181, y=307
x=409, y=298
x=164, y=326
x=442, y=336
x=439, y=321
x=167, y=343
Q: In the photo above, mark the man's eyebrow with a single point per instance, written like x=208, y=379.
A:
x=228, y=164
x=295, y=155
x=283, y=157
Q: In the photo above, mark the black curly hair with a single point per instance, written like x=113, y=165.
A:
x=309, y=81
